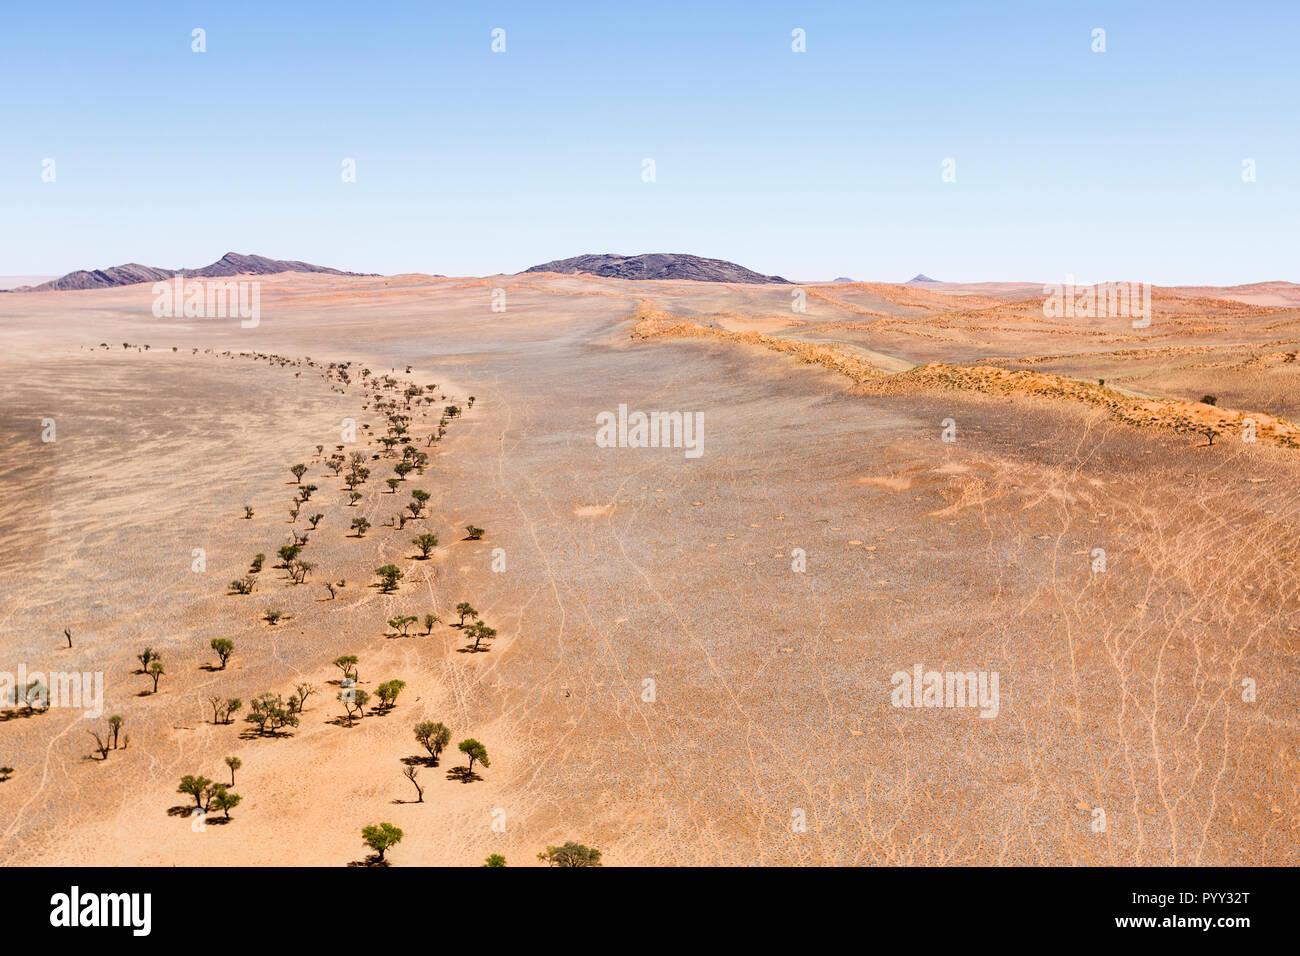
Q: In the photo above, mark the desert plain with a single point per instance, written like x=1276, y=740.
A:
x=694, y=655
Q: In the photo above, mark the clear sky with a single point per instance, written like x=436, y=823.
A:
x=1125, y=164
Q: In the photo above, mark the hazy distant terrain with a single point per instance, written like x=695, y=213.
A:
x=231, y=264
x=694, y=656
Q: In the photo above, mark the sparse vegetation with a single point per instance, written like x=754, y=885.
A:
x=389, y=575
x=480, y=632
x=348, y=665
x=224, y=800
x=381, y=838
x=269, y=712
x=420, y=499
x=411, y=772
x=475, y=751
x=474, y=533
x=200, y=788
x=224, y=648
x=433, y=736
x=425, y=542
x=146, y=657
x=387, y=693
x=571, y=854
x=402, y=623
x=354, y=702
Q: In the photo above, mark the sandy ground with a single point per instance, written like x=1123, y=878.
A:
x=770, y=736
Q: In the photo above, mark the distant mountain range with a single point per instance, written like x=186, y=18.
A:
x=231, y=264
x=922, y=277
x=653, y=265
x=657, y=265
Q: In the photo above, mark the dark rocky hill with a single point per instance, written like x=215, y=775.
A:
x=657, y=265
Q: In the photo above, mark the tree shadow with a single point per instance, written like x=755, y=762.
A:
x=420, y=760
x=463, y=774
x=372, y=860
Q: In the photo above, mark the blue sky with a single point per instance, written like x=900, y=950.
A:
x=1117, y=165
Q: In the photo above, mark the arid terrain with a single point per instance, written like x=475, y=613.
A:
x=694, y=655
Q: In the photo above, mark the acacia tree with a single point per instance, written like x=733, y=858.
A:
x=156, y=671
x=348, y=665
x=298, y=471
x=224, y=800
x=389, y=575
x=465, y=609
x=387, y=693
x=410, y=773
x=421, y=497
x=270, y=714
x=481, y=632
x=473, y=532
x=402, y=623
x=200, y=788
x=234, y=763
x=101, y=745
x=224, y=648
x=433, y=737
x=571, y=854
x=146, y=657
x=354, y=702
x=381, y=838
x=425, y=542
x=474, y=750
x=360, y=526
x=429, y=621
x=223, y=709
